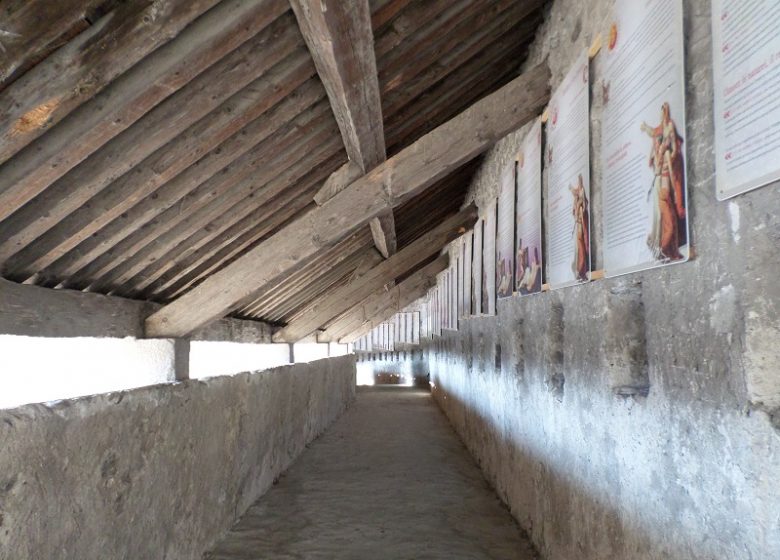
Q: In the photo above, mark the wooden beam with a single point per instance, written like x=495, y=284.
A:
x=158, y=127
x=383, y=232
x=340, y=38
x=386, y=272
x=403, y=300
x=409, y=290
x=341, y=42
x=103, y=53
x=338, y=181
x=409, y=172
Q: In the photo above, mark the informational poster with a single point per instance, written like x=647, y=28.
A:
x=746, y=67
x=476, y=270
x=489, y=262
x=568, y=161
x=445, y=299
x=461, y=269
x=505, y=235
x=454, y=296
x=643, y=127
x=468, y=264
x=528, y=240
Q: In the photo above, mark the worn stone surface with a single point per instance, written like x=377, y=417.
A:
x=158, y=472
x=389, y=480
x=34, y=311
x=688, y=472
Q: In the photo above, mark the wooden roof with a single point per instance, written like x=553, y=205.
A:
x=147, y=145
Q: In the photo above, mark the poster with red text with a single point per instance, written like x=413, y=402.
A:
x=528, y=253
x=746, y=68
x=505, y=235
x=644, y=206
x=567, y=159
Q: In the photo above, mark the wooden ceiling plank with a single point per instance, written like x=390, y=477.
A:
x=406, y=23
x=409, y=172
x=194, y=229
x=400, y=263
x=374, y=307
x=184, y=187
x=35, y=28
x=385, y=13
x=155, y=129
x=132, y=94
x=393, y=100
x=170, y=173
x=79, y=70
x=231, y=184
x=341, y=41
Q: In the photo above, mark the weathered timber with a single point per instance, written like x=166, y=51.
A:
x=398, y=297
x=163, y=123
x=33, y=29
x=338, y=181
x=184, y=187
x=80, y=69
x=341, y=42
x=132, y=94
x=383, y=232
x=387, y=12
x=412, y=170
x=241, y=194
x=201, y=205
x=397, y=265
x=169, y=166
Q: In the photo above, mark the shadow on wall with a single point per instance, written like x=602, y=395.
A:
x=594, y=474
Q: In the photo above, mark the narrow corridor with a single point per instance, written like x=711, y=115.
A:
x=389, y=480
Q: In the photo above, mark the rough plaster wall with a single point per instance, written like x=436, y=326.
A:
x=539, y=393
x=158, y=472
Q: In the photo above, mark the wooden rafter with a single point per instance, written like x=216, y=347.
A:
x=341, y=41
x=432, y=157
x=395, y=299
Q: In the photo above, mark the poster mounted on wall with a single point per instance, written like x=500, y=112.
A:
x=476, y=270
x=528, y=239
x=567, y=158
x=445, y=299
x=505, y=234
x=489, y=261
x=644, y=207
x=468, y=264
x=746, y=68
x=454, y=295
x=461, y=273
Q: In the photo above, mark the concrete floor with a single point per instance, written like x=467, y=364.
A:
x=389, y=479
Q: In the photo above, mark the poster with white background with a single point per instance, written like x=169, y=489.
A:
x=568, y=163
x=746, y=68
x=468, y=246
x=476, y=271
x=505, y=235
x=644, y=208
x=489, y=262
x=461, y=268
x=529, y=266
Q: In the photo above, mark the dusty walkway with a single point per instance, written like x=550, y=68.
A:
x=389, y=480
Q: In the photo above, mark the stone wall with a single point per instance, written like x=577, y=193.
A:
x=158, y=472
x=667, y=449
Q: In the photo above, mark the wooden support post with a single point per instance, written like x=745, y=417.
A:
x=181, y=358
x=432, y=157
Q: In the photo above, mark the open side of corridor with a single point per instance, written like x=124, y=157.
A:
x=391, y=480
